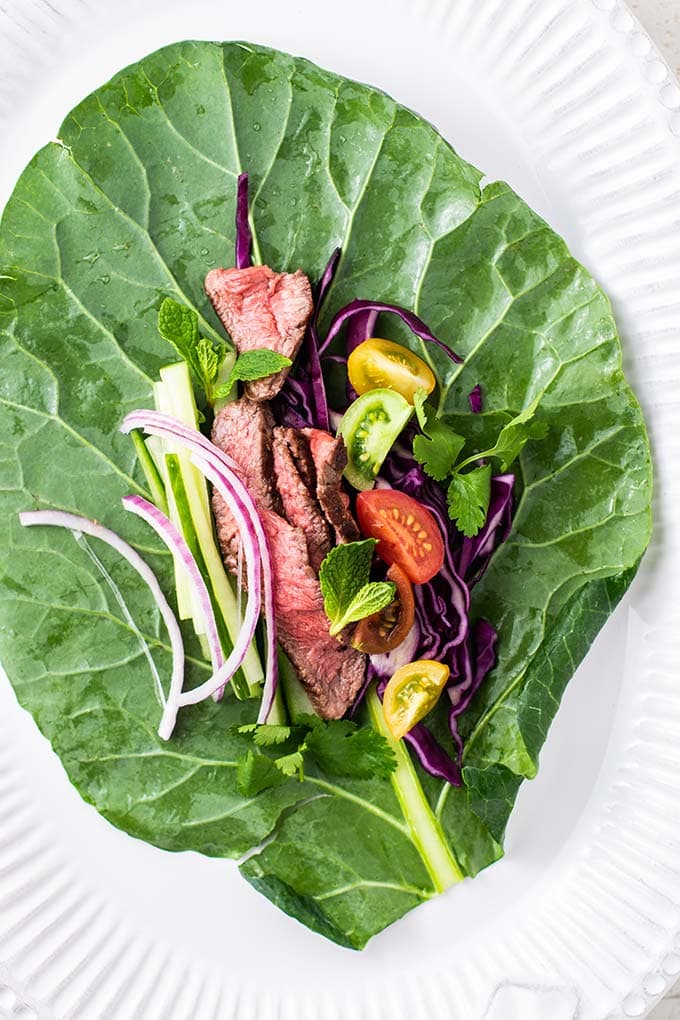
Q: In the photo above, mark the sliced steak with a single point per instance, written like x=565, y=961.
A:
x=295, y=481
x=332, y=673
x=243, y=430
x=330, y=459
x=260, y=308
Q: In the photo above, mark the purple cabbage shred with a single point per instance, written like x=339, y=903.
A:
x=244, y=240
x=475, y=398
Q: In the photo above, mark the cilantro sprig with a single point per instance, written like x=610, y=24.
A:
x=338, y=748
x=348, y=594
x=439, y=447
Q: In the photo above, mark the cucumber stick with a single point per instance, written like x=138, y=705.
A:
x=174, y=396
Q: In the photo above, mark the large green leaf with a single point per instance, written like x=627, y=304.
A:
x=136, y=203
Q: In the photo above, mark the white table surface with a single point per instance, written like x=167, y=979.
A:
x=661, y=18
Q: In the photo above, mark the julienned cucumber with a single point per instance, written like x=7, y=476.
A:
x=174, y=395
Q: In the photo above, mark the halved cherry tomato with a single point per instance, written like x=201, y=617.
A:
x=411, y=693
x=407, y=533
x=383, y=364
x=369, y=427
x=384, y=631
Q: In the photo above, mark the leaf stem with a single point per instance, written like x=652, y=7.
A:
x=425, y=829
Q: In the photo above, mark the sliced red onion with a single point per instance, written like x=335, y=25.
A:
x=175, y=542
x=154, y=423
x=358, y=307
x=251, y=551
x=84, y=526
x=244, y=240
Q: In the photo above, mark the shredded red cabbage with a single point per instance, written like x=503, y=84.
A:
x=475, y=398
x=302, y=401
x=361, y=308
x=244, y=240
x=442, y=605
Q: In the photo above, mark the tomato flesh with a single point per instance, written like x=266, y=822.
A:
x=411, y=693
x=407, y=532
x=384, y=631
x=383, y=364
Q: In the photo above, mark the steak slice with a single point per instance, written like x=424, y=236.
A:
x=243, y=430
x=260, y=308
x=330, y=459
x=294, y=471
x=331, y=672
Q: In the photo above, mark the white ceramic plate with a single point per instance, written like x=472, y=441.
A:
x=568, y=101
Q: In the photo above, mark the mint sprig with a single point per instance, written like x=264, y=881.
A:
x=178, y=324
x=348, y=594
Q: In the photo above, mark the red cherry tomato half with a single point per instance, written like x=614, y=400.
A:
x=385, y=631
x=407, y=533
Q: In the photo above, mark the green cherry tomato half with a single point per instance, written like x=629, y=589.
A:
x=369, y=427
x=382, y=363
x=412, y=692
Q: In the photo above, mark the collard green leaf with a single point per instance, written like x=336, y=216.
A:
x=135, y=205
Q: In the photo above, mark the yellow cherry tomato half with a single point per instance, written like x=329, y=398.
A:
x=382, y=364
x=411, y=693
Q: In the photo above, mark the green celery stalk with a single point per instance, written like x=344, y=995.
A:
x=426, y=831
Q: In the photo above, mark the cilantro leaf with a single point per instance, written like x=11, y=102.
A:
x=468, y=499
x=253, y=365
x=342, y=748
x=292, y=764
x=512, y=438
x=267, y=734
x=438, y=448
x=178, y=324
x=256, y=772
x=337, y=747
x=348, y=595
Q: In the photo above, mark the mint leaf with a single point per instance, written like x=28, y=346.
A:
x=253, y=365
x=440, y=445
x=468, y=499
x=341, y=748
x=343, y=573
x=178, y=324
x=370, y=599
x=256, y=772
